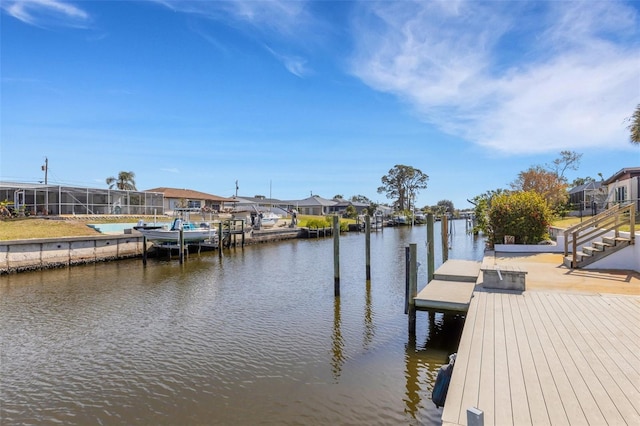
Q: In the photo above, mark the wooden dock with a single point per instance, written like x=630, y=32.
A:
x=451, y=289
x=317, y=232
x=551, y=354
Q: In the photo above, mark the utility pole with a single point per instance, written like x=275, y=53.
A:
x=45, y=169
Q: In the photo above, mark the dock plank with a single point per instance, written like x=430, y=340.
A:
x=533, y=395
x=584, y=357
x=486, y=399
x=474, y=364
x=555, y=361
x=458, y=270
x=606, y=371
x=620, y=355
x=441, y=295
x=580, y=378
x=553, y=408
x=519, y=400
x=619, y=330
x=503, y=412
x=453, y=406
x=627, y=306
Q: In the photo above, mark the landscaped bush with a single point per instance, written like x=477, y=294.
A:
x=524, y=215
x=308, y=221
x=318, y=223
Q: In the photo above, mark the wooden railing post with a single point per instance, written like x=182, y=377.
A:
x=574, y=248
x=632, y=220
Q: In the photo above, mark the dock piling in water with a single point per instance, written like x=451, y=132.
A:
x=445, y=239
x=413, y=286
x=430, y=248
x=220, y=239
x=181, y=246
x=367, y=226
x=336, y=256
x=144, y=250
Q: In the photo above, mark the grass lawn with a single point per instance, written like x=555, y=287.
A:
x=567, y=222
x=22, y=229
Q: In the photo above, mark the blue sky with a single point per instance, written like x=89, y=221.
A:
x=296, y=98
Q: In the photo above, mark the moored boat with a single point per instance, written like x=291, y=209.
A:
x=268, y=219
x=191, y=232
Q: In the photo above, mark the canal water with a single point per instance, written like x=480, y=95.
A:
x=252, y=337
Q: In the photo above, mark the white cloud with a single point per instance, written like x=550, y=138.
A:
x=269, y=20
x=514, y=77
x=294, y=64
x=281, y=16
x=45, y=13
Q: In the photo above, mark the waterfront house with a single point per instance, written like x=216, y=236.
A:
x=340, y=207
x=175, y=198
x=314, y=205
x=624, y=186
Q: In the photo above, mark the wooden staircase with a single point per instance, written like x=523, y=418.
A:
x=599, y=236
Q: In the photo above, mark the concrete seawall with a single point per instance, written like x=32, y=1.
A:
x=35, y=254
x=45, y=253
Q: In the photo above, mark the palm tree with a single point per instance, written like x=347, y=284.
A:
x=125, y=181
x=634, y=126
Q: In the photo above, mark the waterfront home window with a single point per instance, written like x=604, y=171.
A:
x=195, y=204
x=621, y=193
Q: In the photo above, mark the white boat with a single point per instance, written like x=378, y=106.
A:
x=268, y=219
x=191, y=232
x=400, y=220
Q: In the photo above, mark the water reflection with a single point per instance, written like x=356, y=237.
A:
x=337, y=342
x=369, y=328
x=423, y=360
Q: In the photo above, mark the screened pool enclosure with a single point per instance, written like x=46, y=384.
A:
x=40, y=199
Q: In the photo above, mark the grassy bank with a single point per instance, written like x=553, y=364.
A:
x=27, y=228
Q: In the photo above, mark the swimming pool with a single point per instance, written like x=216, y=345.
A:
x=116, y=228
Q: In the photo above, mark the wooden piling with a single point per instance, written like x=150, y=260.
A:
x=430, y=248
x=144, y=250
x=367, y=238
x=413, y=286
x=336, y=256
x=220, y=239
x=181, y=246
x=445, y=238
x=407, y=256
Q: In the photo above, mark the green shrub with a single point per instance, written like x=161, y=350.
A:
x=525, y=215
x=318, y=223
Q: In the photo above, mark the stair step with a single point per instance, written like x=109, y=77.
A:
x=567, y=261
x=591, y=250
x=582, y=254
x=613, y=241
x=601, y=245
